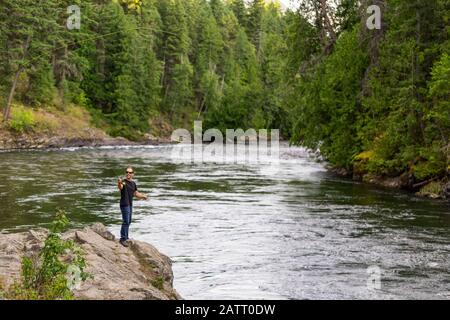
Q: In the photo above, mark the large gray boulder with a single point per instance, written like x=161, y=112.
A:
x=139, y=272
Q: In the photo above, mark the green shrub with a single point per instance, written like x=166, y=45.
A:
x=125, y=132
x=429, y=169
x=433, y=164
x=433, y=189
x=81, y=99
x=45, y=123
x=44, y=276
x=158, y=283
x=22, y=120
x=2, y=289
x=42, y=91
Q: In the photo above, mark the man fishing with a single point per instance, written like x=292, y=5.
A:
x=128, y=190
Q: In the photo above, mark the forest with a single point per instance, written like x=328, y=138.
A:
x=370, y=100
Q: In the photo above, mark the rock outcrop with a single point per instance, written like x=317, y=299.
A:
x=37, y=142
x=139, y=272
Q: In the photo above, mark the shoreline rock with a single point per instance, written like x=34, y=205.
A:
x=434, y=189
x=139, y=272
x=56, y=142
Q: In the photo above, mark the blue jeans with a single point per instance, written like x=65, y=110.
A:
x=127, y=212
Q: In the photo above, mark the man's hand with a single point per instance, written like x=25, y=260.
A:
x=144, y=197
x=120, y=184
x=141, y=196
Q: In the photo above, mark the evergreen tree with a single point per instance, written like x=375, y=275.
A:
x=398, y=101
x=208, y=52
x=240, y=11
x=255, y=15
x=371, y=100
x=28, y=28
x=178, y=71
x=272, y=68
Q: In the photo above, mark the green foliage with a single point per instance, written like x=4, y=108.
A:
x=256, y=11
x=22, y=120
x=44, y=277
x=240, y=11
x=316, y=73
x=432, y=163
x=437, y=116
x=433, y=189
x=41, y=92
x=329, y=103
x=158, y=283
x=410, y=124
x=181, y=59
x=381, y=91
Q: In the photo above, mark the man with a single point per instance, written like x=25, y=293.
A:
x=128, y=190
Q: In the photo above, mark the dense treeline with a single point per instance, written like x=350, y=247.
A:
x=375, y=101
x=372, y=100
x=134, y=60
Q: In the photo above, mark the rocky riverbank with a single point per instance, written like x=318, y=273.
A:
x=72, y=128
x=438, y=188
x=139, y=272
x=91, y=138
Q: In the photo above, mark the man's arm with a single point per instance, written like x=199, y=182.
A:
x=140, y=196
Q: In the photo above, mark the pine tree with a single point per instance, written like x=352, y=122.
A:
x=208, y=52
x=398, y=99
x=255, y=15
x=240, y=11
x=178, y=72
x=272, y=68
x=28, y=31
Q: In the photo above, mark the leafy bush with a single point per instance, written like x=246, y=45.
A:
x=158, y=283
x=45, y=123
x=77, y=112
x=125, y=132
x=81, y=99
x=433, y=189
x=433, y=165
x=42, y=91
x=22, y=120
x=44, y=276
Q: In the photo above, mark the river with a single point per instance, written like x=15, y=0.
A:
x=239, y=231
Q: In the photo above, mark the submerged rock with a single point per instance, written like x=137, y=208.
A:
x=433, y=190
x=139, y=272
x=388, y=182
x=447, y=190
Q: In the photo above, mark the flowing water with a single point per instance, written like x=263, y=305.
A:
x=242, y=231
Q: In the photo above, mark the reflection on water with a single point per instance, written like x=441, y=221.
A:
x=242, y=231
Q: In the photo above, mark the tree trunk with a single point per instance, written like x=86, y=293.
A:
x=202, y=105
x=62, y=80
x=329, y=34
x=11, y=95
x=7, y=110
